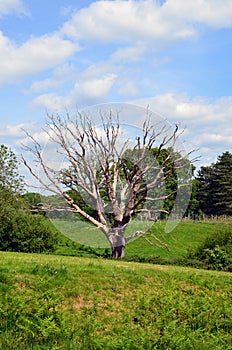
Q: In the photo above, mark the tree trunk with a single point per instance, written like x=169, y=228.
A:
x=118, y=252
x=117, y=242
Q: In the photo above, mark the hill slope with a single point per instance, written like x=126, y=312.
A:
x=187, y=235
x=53, y=302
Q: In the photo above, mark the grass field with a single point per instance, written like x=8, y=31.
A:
x=187, y=235
x=57, y=302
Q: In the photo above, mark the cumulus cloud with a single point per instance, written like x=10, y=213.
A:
x=129, y=54
x=128, y=21
x=127, y=88
x=91, y=90
x=60, y=75
x=216, y=138
x=180, y=107
x=95, y=88
x=207, y=123
x=53, y=103
x=90, y=86
x=146, y=21
x=212, y=13
x=12, y=6
x=11, y=130
x=35, y=55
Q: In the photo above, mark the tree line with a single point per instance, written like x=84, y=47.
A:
x=211, y=191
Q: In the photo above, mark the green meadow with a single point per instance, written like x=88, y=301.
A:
x=77, y=299
x=169, y=246
x=64, y=302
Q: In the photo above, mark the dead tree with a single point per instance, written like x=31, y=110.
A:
x=116, y=177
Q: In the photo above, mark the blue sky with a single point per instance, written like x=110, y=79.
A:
x=174, y=56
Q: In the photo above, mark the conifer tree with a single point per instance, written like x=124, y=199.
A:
x=215, y=186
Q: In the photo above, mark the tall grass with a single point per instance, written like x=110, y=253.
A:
x=54, y=302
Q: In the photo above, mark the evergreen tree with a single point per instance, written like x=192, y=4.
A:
x=221, y=185
x=203, y=184
x=193, y=207
x=215, y=186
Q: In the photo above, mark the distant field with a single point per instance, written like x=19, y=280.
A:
x=71, y=303
x=185, y=236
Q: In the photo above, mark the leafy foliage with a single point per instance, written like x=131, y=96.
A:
x=33, y=199
x=216, y=251
x=20, y=230
x=9, y=176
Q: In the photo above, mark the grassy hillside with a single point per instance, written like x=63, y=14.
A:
x=55, y=302
x=187, y=235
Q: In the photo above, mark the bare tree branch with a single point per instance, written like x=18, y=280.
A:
x=115, y=180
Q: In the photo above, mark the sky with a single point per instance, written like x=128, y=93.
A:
x=173, y=56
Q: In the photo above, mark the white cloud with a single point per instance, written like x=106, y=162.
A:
x=11, y=130
x=89, y=89
x=213, y=13
x=128, y=21
x=180, y=107
x=146, y=21
x=127, y=88
x=53, y=103
x=208, y=123
x=41, y=85
x=216, y=138
x=12, y=6
x=60, y=75
x=35, y=55
x=91, y=86
x=96, y=87
x=128, y=54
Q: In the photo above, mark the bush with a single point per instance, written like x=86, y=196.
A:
x=20, y=231
x=216, y=257
x=216, y=251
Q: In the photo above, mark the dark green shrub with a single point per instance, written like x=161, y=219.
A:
x=216, y=251
x=20, y=231
x=216, y=257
